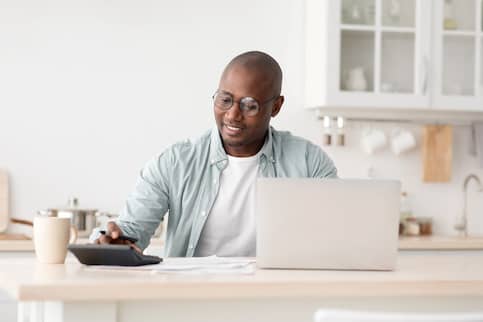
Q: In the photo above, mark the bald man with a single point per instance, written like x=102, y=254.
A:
x=207, y=186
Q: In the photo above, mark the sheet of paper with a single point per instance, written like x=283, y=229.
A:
x=194, y=265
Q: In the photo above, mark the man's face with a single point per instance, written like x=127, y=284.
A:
x=244, y=135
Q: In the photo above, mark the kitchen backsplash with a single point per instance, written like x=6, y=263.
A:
x=441, y=201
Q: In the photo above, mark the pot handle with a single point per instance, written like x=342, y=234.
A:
x=21, y=221
x=73, y=235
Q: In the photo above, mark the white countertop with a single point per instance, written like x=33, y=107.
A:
x=441, y=243
x=28, y=245
x=417, y=274
x=405, y=243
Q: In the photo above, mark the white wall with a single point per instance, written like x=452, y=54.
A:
x=90, y=90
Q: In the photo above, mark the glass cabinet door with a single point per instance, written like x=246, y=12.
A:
x=368, y=53
x=459, y=41
x=398, y=46
x=459, y=47
x=380, y=47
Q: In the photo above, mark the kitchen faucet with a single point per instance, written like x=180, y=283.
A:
x=462, y=225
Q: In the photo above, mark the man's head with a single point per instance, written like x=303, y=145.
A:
x=251, y=79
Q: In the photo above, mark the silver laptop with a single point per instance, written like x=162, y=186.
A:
x=327, y=223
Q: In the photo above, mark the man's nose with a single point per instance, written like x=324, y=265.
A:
x=234, y=113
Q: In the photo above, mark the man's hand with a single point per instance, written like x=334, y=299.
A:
x=113, y=232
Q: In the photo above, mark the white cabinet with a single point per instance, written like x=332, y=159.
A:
x=394, y=54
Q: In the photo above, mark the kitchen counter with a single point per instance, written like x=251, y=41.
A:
x=437, y=275
x=73, y=292
x=28, y=245
x=405, y=243
x=16, y=245
x=441, y=243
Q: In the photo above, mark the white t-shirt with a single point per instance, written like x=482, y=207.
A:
x=229, y=229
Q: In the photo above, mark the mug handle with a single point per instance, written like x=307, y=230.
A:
x=73, y=235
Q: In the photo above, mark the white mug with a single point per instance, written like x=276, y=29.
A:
x=373, y=140
x=51, y=236
x=402, y=141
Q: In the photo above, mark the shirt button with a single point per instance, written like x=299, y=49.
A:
x=191, y=246
x=203, y=213
x=214, y=181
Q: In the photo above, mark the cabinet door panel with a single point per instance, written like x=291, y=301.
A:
x=397, y=62
x=397, y=13
x=480, y=80
x=459, y=15
x=358, y=12
x=458, y=65
x=357, y=61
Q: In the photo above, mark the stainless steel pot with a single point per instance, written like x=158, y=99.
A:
x=84, y=220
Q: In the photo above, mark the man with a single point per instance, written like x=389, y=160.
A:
x=208, y=185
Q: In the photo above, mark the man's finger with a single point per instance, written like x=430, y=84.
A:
x=112, y=226
x=136, y=248
x=103, y=239
x=115, y=234
x=113, y=230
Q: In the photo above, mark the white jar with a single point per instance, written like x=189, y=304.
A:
x=356, y=80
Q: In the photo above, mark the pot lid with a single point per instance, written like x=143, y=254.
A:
x=73, y=206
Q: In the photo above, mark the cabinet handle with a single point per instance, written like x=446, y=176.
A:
x=424, y=82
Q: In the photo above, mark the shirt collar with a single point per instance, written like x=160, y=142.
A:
x=218, y=154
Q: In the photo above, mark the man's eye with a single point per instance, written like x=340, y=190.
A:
x=251, y=107
x=223, y=100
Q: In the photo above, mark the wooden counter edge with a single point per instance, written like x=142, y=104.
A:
x=231, y=290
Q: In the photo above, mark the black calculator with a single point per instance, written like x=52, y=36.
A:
x=111, y=254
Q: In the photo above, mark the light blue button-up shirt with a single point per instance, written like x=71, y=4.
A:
x=184, y=180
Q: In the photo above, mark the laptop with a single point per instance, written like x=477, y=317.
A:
x=340, y=224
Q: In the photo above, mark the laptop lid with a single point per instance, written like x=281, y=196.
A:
x=307, y=223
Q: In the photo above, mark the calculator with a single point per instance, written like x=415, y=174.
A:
x=111, y=254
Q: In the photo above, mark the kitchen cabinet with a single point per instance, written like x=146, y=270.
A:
x=393, y=54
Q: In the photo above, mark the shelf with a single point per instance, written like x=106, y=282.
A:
x=458, y=96
x=357, y=27
x=398, y=30
x=402, y=115
x=347, y=27
x=465, y=33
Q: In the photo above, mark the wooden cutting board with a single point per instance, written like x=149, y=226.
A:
x=3, y=200
x=437, y=149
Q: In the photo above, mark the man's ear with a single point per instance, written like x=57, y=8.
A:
x=277, y=106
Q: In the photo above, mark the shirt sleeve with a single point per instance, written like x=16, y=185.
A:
x=148, y=203
x=320, y=164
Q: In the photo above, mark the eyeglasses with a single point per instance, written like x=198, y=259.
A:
x=248, y=105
